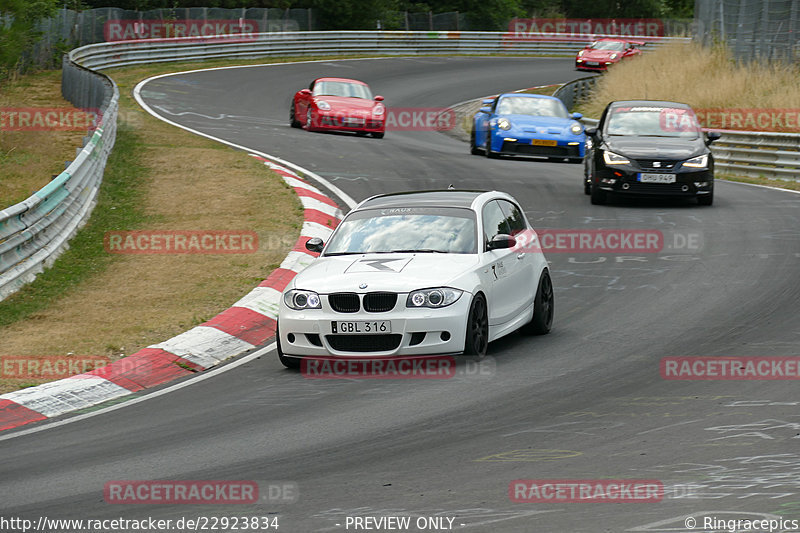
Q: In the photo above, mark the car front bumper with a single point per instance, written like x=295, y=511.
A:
x=596, y=66
x=511, y=142
x=339, y=122
x=421, y=331
x=626, y=181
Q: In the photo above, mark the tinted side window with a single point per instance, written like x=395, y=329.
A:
x=513, y=217
x=494, y=221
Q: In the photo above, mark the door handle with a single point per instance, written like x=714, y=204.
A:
x=521, y=256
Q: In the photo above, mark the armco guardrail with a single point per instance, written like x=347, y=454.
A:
x=573, y=92
x=117, y=54
x=747, y=153
x=35, y=231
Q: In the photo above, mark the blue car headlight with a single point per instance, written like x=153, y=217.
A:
x=576, y=128
x=503, y=124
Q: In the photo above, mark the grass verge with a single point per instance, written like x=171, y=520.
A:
x=160, y=178
x=29, y=159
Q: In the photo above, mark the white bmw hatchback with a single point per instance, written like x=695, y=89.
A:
x=418, y=273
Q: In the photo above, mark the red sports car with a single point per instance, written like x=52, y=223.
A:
x=338, y=104
x=604, y=52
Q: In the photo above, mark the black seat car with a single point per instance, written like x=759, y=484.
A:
x=649, y=148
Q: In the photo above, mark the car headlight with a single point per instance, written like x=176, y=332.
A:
x=325, y=106
x=576, y=128
x=614, y=159
x=299, y=300
x=580, y=54
x=438, y=297
x=378, y=110
x=504, y=124
x=613, y=56
x=700, y=161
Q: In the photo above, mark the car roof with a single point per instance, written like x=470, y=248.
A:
x=527, y=95
x=346, y=80
x=648, y=103
x=434, y=198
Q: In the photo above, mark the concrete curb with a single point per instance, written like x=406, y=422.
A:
x=246, y=325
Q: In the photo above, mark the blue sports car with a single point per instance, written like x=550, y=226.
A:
x=527, y=124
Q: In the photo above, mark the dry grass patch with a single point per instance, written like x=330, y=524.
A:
x=701, y=77
x=188, y=183
x=29, y=159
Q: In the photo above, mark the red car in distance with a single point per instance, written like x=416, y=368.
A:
x=338, y=104
x=602, y=53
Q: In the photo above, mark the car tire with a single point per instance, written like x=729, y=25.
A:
x=598, y=197
x=309, y=118
x=287, y=361
x=477, y=337
x=706, y=199
x=543, y=308
x=575, y=160
x=488, y=149
x=293, y=122
x=378, y=135
x=473, y=147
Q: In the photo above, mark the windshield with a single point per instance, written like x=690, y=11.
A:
x=342, y=88
x=412, y=229
x=653, y=122
x=521, y=105
x=608, y=45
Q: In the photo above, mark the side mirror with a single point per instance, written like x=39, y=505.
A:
x=305, y=92
x=591, y=132
x=379, y=98
x=712, y=136
x=314, y=244
x=502, y=241
x=487, y=101
x=486, y=110
x=577, y=116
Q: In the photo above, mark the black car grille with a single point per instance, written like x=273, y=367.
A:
x=530, y=149
x=379, y=302
x=344, y=302
x=364, y=343
x=374, y=302
x=656, y=164
x=660, y=188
